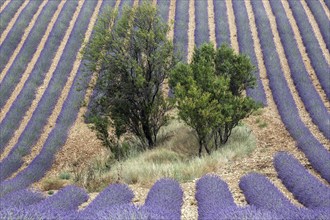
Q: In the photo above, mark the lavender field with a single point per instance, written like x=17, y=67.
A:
x=44, y=94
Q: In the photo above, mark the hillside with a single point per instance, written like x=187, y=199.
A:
x=44, y=94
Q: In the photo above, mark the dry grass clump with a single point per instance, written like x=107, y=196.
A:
x=174, y=157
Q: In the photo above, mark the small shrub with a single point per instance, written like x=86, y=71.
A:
x=65, y=176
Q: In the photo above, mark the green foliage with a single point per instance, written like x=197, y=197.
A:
x=65, y=176
x=132, y=57
x=208, y=93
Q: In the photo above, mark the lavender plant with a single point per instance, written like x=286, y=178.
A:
x=313, y=49
x=222, y=31
x=47, y=103
x=321, y=19
x=302, y=81
x=26, y=53
x=23, y=101
x=8, y=13
x=165, y=199
x=163, y=7
x=201, y=21
x=21, y=198
x=113, y=195
x=305, y=187
x=15, y=34
x=211, y=203
x=245, y=42
x=317, y=155
x=180, y=40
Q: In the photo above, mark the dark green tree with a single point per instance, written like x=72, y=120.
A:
x=208, y=93
x=132, y=57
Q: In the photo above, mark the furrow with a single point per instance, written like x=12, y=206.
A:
x=52, y=120
x=41, y=91
x=11, y=24
x=210, y=12
x=303, y=114
x=24, y=37
x=304, y=55
x=326, y=9
x=3, y=6
x=191, y=30
x=232, y=26
x=317, y=31
x=31, y=64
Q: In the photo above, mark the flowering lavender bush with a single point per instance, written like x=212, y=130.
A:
x=165, y=199
x=302, y=81
x=180, y=40
x=306, y=188
x=313, y=49
x=202, y=26
x=222, y=32
x=313, y=149
x=321, y=19
x=45, y=107
x=21, y=198
x=23, y=101
x=163, y=7
x=26, y=53
x=15, y=34
x=212, y=195
x=8, y=13
x=245, y=41
x=115, y=194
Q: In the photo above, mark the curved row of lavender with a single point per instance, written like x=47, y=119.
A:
x=321, y=19
x=311, y=99
x=222, y=32
x=313, y=48
x=16, y=33
x=313, y=149
x=71, y=106
x=165, y=199
x=246, y=46
x=26, y=96
x=45, y=107
x=201, y=23
x=8, y=14
x=180, y=40
x=25, y=55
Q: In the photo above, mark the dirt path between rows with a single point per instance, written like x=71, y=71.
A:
x=191, y=30
x=303, y=114
x=4, y=5
x=23, y=39
x=31, y=64
x=304, y=55
x=41, y=90
x=210, y=12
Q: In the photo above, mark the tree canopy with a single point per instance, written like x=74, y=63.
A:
x=208, y=93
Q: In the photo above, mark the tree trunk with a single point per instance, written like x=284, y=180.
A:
x=200, y=148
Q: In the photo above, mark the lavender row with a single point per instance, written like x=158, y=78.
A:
x=201, y=21
x=57, y=137
x=37, y=75
x=321, y=19
x=306, y=188
x=313, y=49
x=15, y=34
x=45, y=107
x=327, y=3
x=262, y=194
x=313, y=149
x=212, y=195
x=8, y=13
x=25, y=55
x=164, y=8
x=164, y=201
x=311, y=99
x=222, y=32
x=246, y=46
x=21, y=198
x=180, y=40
